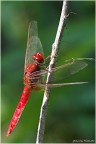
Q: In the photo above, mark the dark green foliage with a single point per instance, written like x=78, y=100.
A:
x=71, y=108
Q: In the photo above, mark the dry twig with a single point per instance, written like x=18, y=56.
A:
x=55, y=48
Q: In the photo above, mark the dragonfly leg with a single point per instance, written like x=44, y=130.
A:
x=47, y=57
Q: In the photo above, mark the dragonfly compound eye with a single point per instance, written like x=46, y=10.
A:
x=34, y=56
x=39, y=57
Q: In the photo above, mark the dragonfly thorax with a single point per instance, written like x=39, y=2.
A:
x=29, y=77
x=38, y=57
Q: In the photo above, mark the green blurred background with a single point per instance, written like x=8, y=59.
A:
x=71, y=108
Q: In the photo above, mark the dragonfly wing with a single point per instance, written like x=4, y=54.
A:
x=69, y=68
x=33, y=43
x=60, y=84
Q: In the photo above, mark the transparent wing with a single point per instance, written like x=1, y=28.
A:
x=33, y=43
x=69, y=68
x=60, y=84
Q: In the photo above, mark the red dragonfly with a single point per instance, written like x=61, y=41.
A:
x=34, y=72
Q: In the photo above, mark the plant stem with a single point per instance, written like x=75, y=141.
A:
x=55, y=48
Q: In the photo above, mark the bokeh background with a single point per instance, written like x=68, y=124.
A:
x=71, y=108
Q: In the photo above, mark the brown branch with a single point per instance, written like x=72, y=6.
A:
x=55, y=48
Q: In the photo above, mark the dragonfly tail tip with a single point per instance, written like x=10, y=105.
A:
x=8, y=133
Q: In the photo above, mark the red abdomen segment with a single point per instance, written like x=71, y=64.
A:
x=20, y=107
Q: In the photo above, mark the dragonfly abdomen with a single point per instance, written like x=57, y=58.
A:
x=20, y=107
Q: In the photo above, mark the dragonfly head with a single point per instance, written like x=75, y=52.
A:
x=39, y=57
